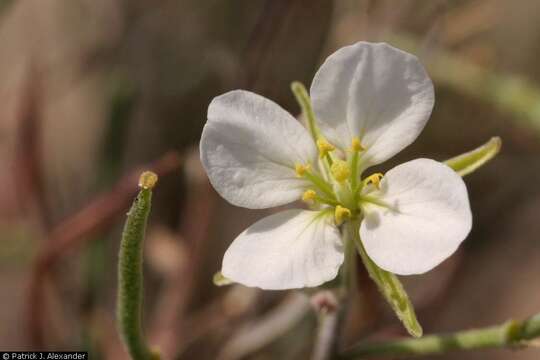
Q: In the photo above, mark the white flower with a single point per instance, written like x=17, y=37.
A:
x=370, y=101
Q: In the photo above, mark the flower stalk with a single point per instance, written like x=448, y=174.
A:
x=130, y=272
x=508, y=334
x=330, y=322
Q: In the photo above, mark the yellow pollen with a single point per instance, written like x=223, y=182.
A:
x=341, y=214
x=301, y=169
x=356, y=145
x=375, y=179
x=309, y=196
x=340, y=170
x=324, y=147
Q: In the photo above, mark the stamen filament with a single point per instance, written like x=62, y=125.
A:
x=326, y=201
x=354, y=170
x=320, y=184
x=356, y=147
x=329, y=160
x=375, y=201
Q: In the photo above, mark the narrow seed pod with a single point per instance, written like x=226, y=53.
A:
x=130, y=272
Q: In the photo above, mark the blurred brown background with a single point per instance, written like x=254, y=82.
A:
x=94, y=90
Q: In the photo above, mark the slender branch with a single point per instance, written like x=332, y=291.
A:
x=28, y=165
x=170, y=331
x=219, y=316
x=510, y=334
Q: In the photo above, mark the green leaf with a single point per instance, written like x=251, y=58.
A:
x=391, y=289
x=468, y=162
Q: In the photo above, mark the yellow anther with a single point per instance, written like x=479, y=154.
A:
x=375, y=179
x=324, y=147
x=340, y=170
x=148, y=180
x=356, y=145
x=341, y=214
x=309, y=196
x=301, y=169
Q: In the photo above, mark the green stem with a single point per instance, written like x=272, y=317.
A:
x=509, y=334
x=302, y=96
x=331, y=322
x=327, y=201
x=130, y=273
x=349, y=269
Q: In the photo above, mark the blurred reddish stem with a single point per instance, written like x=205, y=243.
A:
x=29, y=187
x=101, y=212
x=180, y=286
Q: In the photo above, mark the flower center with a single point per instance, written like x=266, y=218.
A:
x=337, y=183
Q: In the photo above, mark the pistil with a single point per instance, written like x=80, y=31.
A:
x=340, y=170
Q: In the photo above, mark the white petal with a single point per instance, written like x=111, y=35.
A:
x=249, y=147
x=431, y=216
x=287, y=250
x=375, y=92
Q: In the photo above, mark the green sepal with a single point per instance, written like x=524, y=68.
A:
x=468, y=162
x=391, y=289
x=219, y=280
x=302, y=97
